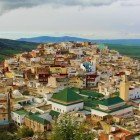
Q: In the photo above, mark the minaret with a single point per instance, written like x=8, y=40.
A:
x=124, y=88
x=9, y=104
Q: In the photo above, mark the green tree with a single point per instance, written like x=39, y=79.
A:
x=6, y=136
x=67, y=127
x=84, y=133
x=24, y=132
x=42, y=136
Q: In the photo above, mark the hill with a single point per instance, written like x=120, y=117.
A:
x=128, y=50
x=129, y=47
x=10, y=47
x=47, y=39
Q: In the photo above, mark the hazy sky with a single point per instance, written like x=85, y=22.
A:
x=97, y=19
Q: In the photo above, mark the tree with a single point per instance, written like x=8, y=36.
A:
x=83, y=133
x=42, y=136
x=6, y=136
x=68, y=128
x=24, y=132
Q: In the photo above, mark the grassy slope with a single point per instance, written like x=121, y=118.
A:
x=10, y=47
x=129, y=50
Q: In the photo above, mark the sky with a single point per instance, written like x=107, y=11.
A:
x=94, y=19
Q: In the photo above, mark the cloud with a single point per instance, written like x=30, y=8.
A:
x=131, y=3
x=7, y=5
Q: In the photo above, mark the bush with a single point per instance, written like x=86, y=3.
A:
x=24, y=132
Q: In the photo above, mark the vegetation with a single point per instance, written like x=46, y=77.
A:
x=129, y=50
x=67, y=127
x=10, y=47
x=24, y=132
x=2, y=57
x=7, y=136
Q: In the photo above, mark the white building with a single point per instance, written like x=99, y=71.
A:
x=77, y=51
x=18, y=116
x=112, y=106
x=66, y=100
x=134, y=93
x=37, y=59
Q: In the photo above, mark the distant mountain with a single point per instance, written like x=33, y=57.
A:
x=11, y=47
x=46, y=39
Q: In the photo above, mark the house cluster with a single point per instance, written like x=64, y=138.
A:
x=95, y=83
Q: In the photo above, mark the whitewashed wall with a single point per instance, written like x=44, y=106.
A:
x=63, y=108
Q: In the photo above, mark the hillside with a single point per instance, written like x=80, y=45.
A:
x=129, y=50
x=11, y=47
x=127, y=42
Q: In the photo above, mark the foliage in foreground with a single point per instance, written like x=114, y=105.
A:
x=24, y=132
x=67, y=127
x=7, y=136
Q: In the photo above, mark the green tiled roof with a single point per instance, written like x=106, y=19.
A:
x=92, y=94
x=91, y=102
x=37, y=118
x=66, y=96
x=21, y=112
x=75, y=89
x=101, y=46
x=111, y=101
x=54, y=113
x=113, y=110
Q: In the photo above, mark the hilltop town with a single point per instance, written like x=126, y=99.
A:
x=97, y=85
